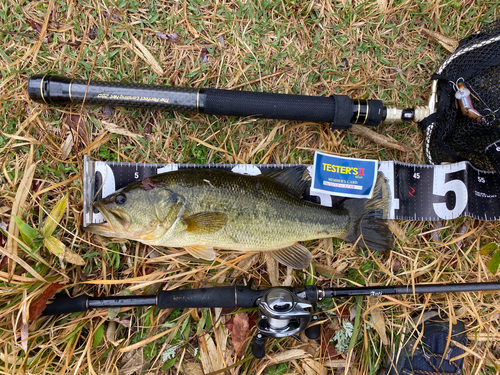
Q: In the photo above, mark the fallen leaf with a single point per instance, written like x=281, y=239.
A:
x=221, y=39
x=134, y=364
x=144, y=54
x=378, y=320
x=108, y=110
x=342, y=311
x=208, y=354
x=67, y=146
x=312, y=367
x=170, y=37
x=494, y=263
x=35, y=186
x=378, y=138
x=110, y=333
x=4, y=263
x=39, y=304
x=272, y=270
x=396, y=266
x=148, y=129
x=353, y=313
x=230, y=323
x=71, y=257
x=203, y=55
x=290, y=355
x=58, y=248
x=115, y=129
x=448, y=43
x=35, y=25
x=78, y=128
x=328, y=350
x=335, y=363
x=193, y=368
x=382, y=4
x=21, y=195
x=240, y=332
x=24, y=337
x=124, y=322
x=54, y=217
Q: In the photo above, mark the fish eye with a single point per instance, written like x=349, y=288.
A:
x=120, y=199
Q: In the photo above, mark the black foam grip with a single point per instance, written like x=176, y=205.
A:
x=226, y=296
x=343, y=112
x=269, y=105
x=62, y=304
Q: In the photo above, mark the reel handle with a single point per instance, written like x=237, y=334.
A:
x=313, y=331
x=259, y=346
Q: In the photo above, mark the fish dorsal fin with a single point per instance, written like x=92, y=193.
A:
x=205, y=222
x=201, y=251
x=294, y=179
x=295, y=256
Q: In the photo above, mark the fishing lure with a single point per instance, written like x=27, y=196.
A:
x=465, y=102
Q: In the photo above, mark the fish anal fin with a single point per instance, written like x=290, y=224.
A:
x=295, y=256
x=201, y=251
x=294, y=179
x=205, y=222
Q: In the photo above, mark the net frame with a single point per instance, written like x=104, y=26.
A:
x=449, y=136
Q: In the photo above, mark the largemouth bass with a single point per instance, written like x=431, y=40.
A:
x=206, y=209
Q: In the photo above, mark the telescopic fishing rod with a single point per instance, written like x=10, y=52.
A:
x=282, y=311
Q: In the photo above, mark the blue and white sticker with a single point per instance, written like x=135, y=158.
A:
x=344, y=177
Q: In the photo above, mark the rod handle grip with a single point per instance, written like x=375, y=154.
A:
x=336, y=110
x=227, y=296
x=62, y=304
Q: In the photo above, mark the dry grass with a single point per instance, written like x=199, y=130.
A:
x=370, y=50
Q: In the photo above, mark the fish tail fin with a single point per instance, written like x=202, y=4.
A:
x=368, y=219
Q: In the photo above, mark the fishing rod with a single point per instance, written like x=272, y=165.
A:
x=282, y=311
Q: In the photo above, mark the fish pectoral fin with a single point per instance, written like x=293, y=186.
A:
x=295, y=256
x=205, y=222
x=201, y=251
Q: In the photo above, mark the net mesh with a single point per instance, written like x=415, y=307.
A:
x=450, y=135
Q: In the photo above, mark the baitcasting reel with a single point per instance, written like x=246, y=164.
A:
x=282, y=313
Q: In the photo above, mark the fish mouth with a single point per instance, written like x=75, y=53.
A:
x=117, y=222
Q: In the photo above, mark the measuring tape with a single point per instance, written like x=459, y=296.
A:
x=418, y=192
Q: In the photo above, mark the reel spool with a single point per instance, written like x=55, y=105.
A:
x=282, y=313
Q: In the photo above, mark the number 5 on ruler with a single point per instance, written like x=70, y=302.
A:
x=441, y=187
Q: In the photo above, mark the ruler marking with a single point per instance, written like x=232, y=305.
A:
x=480, y=205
